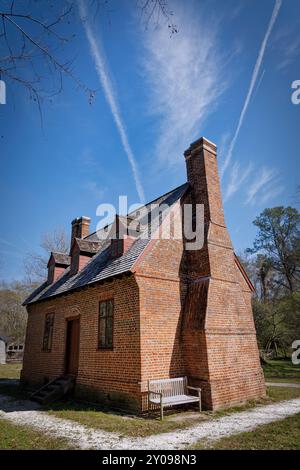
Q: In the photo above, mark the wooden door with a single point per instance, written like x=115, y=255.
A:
x=72, y=346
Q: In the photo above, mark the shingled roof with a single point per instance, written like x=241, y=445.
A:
x=101, y=266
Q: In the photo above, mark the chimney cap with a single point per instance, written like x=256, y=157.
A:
x=83, y=218
x=199, y=144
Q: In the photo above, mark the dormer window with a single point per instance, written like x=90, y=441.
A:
x=81, y=253
x=57, y=264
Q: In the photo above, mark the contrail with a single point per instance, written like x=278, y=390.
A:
x=98, y=56
x=252, y=84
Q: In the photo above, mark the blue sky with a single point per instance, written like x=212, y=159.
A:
x=160, y=93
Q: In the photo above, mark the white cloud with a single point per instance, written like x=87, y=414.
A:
x=11, y=253
x=289, y=51
x=286, y=43
x=6, y=242
x=238, y=176
x=98, y=56
x=263, y=186
x=259, y=83
x=186, y=77
x=87, y=157
x=254, y=77
x=271, y=192
x=96, y=190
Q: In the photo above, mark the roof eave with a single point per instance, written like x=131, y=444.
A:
x=77, y=289
x=244, y=273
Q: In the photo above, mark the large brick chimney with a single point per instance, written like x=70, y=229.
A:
x=219, y=338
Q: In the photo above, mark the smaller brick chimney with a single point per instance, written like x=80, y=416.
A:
x=57, y=264
x=81, y=250
x=80, y=228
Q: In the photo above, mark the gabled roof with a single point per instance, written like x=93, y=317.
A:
x=60, y=258
x=101, y=266
x=88, y=246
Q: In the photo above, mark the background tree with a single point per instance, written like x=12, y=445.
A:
x=259, y=271
x=35, y=263
x=13, y=316
x=274, y=268
x=278, y=241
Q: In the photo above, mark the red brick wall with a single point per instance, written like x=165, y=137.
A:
x=160, y=323
x=161, y=298
x=112, y=375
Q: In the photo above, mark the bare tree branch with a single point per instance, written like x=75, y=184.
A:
x=30, y=42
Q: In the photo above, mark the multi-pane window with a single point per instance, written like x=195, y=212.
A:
x=48, y=332
x=106, y=314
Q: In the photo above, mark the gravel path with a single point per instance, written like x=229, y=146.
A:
x=28, y=413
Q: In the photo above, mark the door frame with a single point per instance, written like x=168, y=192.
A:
x=69, y=319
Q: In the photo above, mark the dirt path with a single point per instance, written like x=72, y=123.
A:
x=25, y=413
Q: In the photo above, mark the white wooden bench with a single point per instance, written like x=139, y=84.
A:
x=169, y=392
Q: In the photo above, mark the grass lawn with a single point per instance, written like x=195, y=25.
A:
x=280, y=435
x=282, y=370
x=10, y=371
x=24, y=438
x=282, y=393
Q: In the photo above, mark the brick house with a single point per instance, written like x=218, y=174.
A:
x=118, y=312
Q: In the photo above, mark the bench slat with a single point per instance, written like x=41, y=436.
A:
x=176, y=400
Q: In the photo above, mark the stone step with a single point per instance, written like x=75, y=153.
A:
x=54, y=390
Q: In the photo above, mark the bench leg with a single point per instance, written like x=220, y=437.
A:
x=161, y=411
x=200, y=408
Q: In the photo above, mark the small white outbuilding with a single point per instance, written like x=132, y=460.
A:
x=2, y=350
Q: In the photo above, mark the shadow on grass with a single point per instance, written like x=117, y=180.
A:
x=13, y=397
x=17, y=393
x=281, y=369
